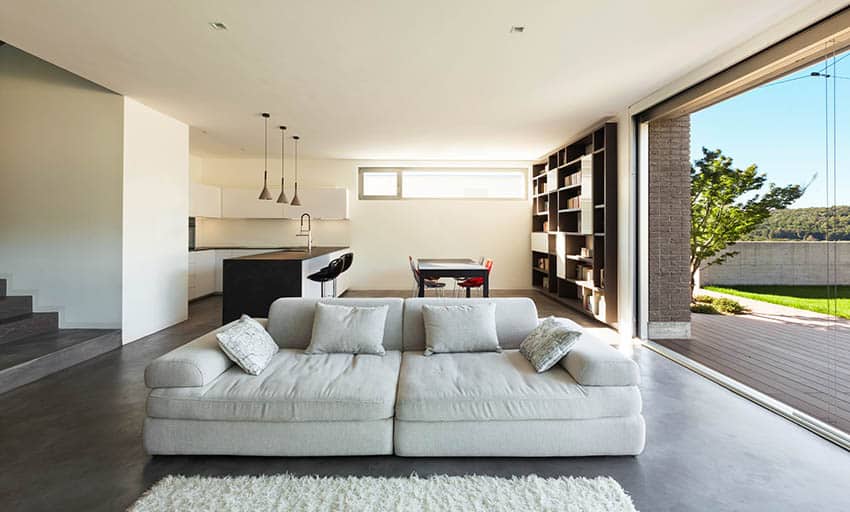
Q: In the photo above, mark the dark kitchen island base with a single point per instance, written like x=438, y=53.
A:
x=252, y=283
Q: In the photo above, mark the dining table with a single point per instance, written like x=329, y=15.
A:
x=435, y=268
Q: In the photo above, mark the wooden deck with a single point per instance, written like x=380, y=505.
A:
x=796, y=358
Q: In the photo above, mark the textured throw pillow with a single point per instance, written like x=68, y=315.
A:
x=461, y=328
x=348, y=329
x=549, y=342
x=248, y=344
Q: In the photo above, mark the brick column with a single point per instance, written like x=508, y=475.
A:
x=669, y=228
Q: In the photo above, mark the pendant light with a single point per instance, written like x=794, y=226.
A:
x=282, y=197
x=295, y=200
x=265, y=194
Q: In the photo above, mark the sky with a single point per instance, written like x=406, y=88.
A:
x=780, y=127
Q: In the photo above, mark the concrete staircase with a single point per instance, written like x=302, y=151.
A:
x=32, y=346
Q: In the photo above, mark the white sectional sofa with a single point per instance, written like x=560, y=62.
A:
x=463, y=404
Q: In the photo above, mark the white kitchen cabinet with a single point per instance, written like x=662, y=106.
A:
x=320, y=203
x=242, y=203
x=201, y=273
x=204, y=200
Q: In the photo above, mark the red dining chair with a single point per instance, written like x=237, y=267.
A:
x=476, y=282
x=430, y=283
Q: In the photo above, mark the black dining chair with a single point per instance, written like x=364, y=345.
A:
x=430, y=283
x=329, y=273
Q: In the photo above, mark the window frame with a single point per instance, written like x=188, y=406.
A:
x=399, y=173
x=378, y=170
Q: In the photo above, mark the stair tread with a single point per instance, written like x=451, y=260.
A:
x=14, y=353
x=15, y=306
x=28, y=325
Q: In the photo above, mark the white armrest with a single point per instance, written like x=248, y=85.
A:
x=594, y=363
x=194, y=364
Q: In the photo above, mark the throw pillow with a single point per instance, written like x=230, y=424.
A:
x=461, y=328
x=348, y=329
x=549, y=342
x=248, y=344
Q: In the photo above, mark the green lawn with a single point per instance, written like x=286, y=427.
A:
x=811, y=298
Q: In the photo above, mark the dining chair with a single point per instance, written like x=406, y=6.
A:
x=458, y=280
x=476, y=282
x=430, y=283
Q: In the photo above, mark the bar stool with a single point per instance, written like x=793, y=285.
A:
x=347, y=260
x=329, y=273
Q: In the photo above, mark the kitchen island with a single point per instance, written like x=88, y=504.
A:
x=252, y=283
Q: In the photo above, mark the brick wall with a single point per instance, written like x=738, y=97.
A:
x=669, y=227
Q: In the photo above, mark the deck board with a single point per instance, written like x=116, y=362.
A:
x=806, y=365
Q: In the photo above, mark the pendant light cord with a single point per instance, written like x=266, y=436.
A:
x=282, y=157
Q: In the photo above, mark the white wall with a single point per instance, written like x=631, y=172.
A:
x=383, y=233
x=60, y=191
x=155, y=213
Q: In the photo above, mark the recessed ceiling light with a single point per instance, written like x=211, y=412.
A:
x=517, y=29
x=217, y=25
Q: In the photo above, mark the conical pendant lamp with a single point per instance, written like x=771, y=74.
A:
x=265, y=194
x=282, y=197
x=295, y=200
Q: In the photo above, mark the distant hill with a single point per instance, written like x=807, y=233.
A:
x=805, y=224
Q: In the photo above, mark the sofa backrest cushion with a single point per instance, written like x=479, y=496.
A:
x=291, y=319
x=515, y=318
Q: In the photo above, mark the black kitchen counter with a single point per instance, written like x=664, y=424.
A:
x=291, y=254
x=252, y=283
x=236, y=247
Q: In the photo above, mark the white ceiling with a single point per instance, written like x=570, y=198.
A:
x=388, y=79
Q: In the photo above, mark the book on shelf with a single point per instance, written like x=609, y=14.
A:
x=572, y=179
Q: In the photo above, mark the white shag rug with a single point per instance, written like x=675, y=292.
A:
x=436, y=493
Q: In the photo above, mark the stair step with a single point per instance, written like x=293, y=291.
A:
x=28, y=359
x=2, y=287
x=29, y=325
x=15, y=306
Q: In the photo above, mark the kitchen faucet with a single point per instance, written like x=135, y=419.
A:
x=309, y=232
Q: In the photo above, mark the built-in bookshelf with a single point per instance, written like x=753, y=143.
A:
x=574, y=224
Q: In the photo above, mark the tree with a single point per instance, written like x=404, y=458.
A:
x=720, y=216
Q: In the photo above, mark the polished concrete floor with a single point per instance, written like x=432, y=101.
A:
x=72, y=441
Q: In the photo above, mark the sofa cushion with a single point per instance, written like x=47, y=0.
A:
x=548, y=343
x=291, y=319
x=460, y=328
x=500, y=386
x=348, y=329
x=295, y=387
x=248, y=344
x=515, y=318
x=593, y=363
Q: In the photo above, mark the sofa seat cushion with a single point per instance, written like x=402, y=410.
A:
x=294, y=387
x=501, y=386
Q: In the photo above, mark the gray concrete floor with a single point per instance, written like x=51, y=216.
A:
x=72, y=441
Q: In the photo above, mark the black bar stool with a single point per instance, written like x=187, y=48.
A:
x=347, y=260
x=329, y=273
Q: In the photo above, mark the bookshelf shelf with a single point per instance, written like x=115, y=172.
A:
x=574, y=227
